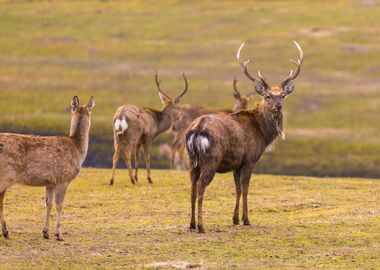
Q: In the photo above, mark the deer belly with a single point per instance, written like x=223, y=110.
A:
x=228, y=164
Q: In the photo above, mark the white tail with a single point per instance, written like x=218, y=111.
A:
x=120, y=125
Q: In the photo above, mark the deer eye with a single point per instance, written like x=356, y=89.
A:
x=268, y=96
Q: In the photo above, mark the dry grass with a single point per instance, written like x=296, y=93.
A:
x=296, y=222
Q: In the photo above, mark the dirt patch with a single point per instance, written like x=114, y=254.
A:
x=320, y=32
x=174, y=264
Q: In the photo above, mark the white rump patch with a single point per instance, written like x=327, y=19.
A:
x=202, y=144
x=190, y=143
x=120, y=126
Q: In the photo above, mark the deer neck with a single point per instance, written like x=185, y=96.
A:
x=162, y=119
x=79, y=133
x=271, y=125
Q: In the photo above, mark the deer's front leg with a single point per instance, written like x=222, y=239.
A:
x=245, y=177
x=137, y=162
x=60, y=192
x=147, y=145
x=128, y=160
x=49, y=205
x=3, y=224
x=235, y=217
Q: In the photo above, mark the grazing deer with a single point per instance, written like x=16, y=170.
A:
x=52, y=162
x=235, y=142
x=134, y=126
x=188, y=113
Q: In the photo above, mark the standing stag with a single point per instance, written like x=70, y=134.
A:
x=52, y=162
x=235, y=142
x=187, y=115
x=134, y=126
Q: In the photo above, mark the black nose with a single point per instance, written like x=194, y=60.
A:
x=278, y=106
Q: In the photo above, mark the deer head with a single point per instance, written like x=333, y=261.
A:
x=167, y=101
x=273, y=97
x=241, y=101
x=80, y=114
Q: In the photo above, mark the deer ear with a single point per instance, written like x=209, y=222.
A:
x=74, y=104
x=91, y=104
x=288, y=88
x=260, y=89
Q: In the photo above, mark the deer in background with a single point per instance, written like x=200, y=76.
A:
x=188, y=113
x=52, y=162
x=235, y=142
x=134, y=126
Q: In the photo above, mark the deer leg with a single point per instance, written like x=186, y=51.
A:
x=204, y=180
x=235, y=218
x=194, y=175
x=245, y=177
x=128, y=160
x=60, y=192
x=3, y=224
x=147, y=145
x=49, y=204
x=137, y=161
x=114, y=162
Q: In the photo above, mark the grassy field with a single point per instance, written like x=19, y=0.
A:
x=50, y=51
x=297, y=222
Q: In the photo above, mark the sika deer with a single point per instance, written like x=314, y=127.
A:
x=235, y=142
x=188, y=113
x=134, y=126
x=52, y=162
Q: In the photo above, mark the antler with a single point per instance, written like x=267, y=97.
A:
x=298, y=63
x=235, y=88
x=158, y=82
x=244, y=64
x=185, y=90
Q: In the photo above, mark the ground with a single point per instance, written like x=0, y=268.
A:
x=297, y=222
x=50, y=51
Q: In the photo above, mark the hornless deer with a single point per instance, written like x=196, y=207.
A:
x=235, y=142
x=52, y=162
x=134, y=126
x=188, y=113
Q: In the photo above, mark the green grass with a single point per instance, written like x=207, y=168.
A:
x=297, y=222
x=52, y=51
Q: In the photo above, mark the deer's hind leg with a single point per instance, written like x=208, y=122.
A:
x=115, y=159
x=3, y=224
x=194, y=175
x=204, y=180
x=49, y=205
x=127, y=154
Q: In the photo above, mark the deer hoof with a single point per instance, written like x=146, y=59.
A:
x=111, y=182
x=201, y=229
x=247, y=223
x=235, y=221
x=192, y=226
x=45, y=234
x=59, y=237
x=6, y=234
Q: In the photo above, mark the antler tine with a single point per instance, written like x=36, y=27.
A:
x=235, y=87
x=263, y=81
x=158, y=82
x=243, y=65
x=298, y=63
x=186, y=86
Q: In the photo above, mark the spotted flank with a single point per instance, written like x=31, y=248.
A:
x=120, y=125
x=198, y=143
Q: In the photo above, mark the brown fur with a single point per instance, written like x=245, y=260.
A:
x=235, y=142
x=144, y=124
x=52, y=162
x=188, y=113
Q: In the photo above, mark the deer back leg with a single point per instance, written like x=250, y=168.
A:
x=60, y=192
x=3, y=224
x=194, y=175
x=147, y=145
x=204, y=180
x=115, y=159
x=235, y=217
x=49, y=203
x=127, y=154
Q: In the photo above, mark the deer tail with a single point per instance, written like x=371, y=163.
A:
x=197, y=145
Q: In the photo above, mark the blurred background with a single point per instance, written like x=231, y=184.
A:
x=50, y=51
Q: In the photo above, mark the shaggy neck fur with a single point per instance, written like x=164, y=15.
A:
x=271, y=125
x=79, y=133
